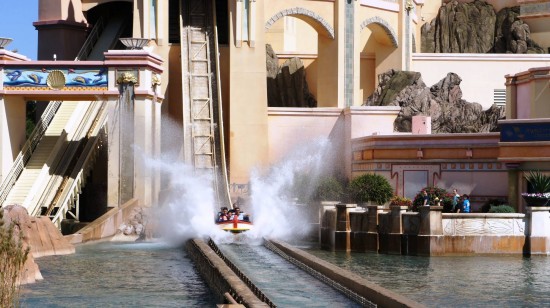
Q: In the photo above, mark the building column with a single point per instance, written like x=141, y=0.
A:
x=12, y=131
x=342, y=234
x=248, y=129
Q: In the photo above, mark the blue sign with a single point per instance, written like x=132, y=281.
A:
x=522, y=132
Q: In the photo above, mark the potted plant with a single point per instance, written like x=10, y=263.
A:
x=401, y=201
x=540, y=183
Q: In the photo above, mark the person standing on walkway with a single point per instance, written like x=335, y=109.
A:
x=456, y=198
x=425, y=198
x=465, y=208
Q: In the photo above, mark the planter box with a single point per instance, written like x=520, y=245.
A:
x=536, y=201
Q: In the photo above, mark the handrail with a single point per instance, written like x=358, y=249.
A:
x=65, y=158
x=65, y=200
x=91, y=40
x=26, y=152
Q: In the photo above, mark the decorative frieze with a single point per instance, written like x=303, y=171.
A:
x=41, y=79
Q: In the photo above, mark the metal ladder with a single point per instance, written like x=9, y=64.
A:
x=203, y=124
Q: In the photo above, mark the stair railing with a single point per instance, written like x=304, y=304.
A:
x=26, y=152
x=68, y=198
x=64, y=159
x=91, y=40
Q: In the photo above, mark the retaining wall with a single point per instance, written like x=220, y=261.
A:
x=220, y=278
x=431, y=232
x=372, y=292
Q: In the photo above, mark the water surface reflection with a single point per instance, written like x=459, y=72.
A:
x=118, y=275
x=481, y=281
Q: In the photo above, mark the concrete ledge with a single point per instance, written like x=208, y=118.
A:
x=219, y=276
x=105, y=226
x=380, y=296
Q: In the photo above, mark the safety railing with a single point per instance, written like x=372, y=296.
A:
x=68, y=198
x=26, y=152
x=89, y=44
x=52, y=182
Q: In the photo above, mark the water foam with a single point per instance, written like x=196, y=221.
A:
x=276, y=214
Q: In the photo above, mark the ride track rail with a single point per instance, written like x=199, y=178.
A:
x=319, y=276
x=241, y=275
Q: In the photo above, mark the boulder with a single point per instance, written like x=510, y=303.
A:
x=442, y=102
x=40, y=235
x=287, y=85
x=474, y=27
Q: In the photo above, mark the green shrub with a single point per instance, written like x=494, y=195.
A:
x=306, y=188
x=12, y=258
x=502, y=209
x=445, y=197
x=370, y=187
x=328, y=189
x=486, y=207
x=539, y=182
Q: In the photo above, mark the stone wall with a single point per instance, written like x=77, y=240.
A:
x=430, y=232
x=220, y=278
x=372, y=292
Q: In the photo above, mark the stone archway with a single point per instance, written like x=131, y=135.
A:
x=312, y=18
x=384, y=25
x=322, y=68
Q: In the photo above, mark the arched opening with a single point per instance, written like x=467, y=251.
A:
x=379, y=41
x=300, y=33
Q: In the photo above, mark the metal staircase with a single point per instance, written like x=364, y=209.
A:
x=203, y=125
x=50, y=182
x=22, y=189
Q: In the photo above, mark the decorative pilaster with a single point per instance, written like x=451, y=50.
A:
x=342, y=235
x=126, y=82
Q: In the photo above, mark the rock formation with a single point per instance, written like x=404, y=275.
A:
x=40, y=235
x=442, y=102
x=134, y=228
x=287, y=85
x=475, y=28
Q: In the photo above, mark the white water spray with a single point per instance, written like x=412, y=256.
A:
x=276, y=214
x=187, y=207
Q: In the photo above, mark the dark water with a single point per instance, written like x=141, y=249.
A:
x=118, y=275
x=283, y=283
x=481, y=281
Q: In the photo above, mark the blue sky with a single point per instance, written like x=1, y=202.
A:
x=16, y=18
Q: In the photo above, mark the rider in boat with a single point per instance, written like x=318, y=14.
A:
x=223, y=215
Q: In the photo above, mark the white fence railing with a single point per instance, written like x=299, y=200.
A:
x=68, y=198
x=29, y=147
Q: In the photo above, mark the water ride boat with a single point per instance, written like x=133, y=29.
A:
x=237, y=223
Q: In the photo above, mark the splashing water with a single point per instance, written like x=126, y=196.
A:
x=187, y=210
x=276, y=214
